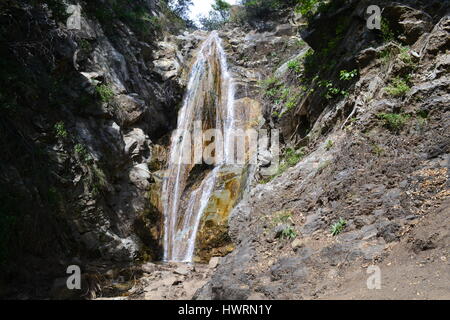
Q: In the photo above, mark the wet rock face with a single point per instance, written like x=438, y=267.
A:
x=379, y=181
x=93, y=107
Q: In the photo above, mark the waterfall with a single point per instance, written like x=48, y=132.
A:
x=209, y=98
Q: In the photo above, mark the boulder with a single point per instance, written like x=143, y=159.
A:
x=411, y=23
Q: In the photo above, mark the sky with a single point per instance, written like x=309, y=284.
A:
x=202, y=7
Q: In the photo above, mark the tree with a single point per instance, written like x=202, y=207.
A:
x=223, y=8
x=218, y=16
x=181, y=8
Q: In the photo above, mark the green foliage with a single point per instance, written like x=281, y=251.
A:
x=213, y=21
x=291, y=102
x=393, y=121
x=331, y=91
x=295, y=65
x=85, y=45
x=398, y=87
x=290, y=158
x=223, y=8
x=388, y=34
x=57, y=8
x=347, y=75
x=105, y=92
x=82, y=152
x=260, y=9
x=387, y=55
x=308, y=8
x=135, y=14
x=338, y=227
x=181, y=8
x=60, y=130
x=329, y=145
x=217, y=17
x=289, y=233
x=269, y=82
x=405, y=56
x=282, y=217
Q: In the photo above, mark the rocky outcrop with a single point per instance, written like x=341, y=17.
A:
x=358, y=183
x=82, y=111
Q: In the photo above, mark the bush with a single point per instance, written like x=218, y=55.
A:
x=295, y=65
x=398, y=87
x=60, y=130
x=289, y=233
x=386, y=31
x=347, y=75
x=338, y=227
x=82, y=152
x=105, y=92
x=394, y=122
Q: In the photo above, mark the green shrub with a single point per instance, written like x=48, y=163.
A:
x=308, y=8
x=60, y=130
x=347, y=75
x=338, y=227
x=386, y=55
x=386, y=31
x=393, y=121
x=292, y=157
x=331, y=91
x=105, y=92
x=398, y=87
x=295, y=65
x=82, y=152
x=289, y=233
x=405, y=56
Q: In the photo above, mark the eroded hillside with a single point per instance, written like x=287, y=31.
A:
x=363, y=117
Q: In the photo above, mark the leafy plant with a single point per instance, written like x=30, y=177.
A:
x=289, y=233
x=405, y=56
x=387, y=54
x=82, y=152
x=388, y=34
x=295, y=65
x=290, y=159
x=329, y=145
x=60, y=130
x=338, y=227
x=398, y=87
x=331, y=91
x=348, y=75
x=393, y=121
x=105, y=92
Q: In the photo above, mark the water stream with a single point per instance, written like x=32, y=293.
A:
x=209, y=98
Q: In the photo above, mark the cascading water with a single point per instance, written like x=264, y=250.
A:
x=209, y=100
